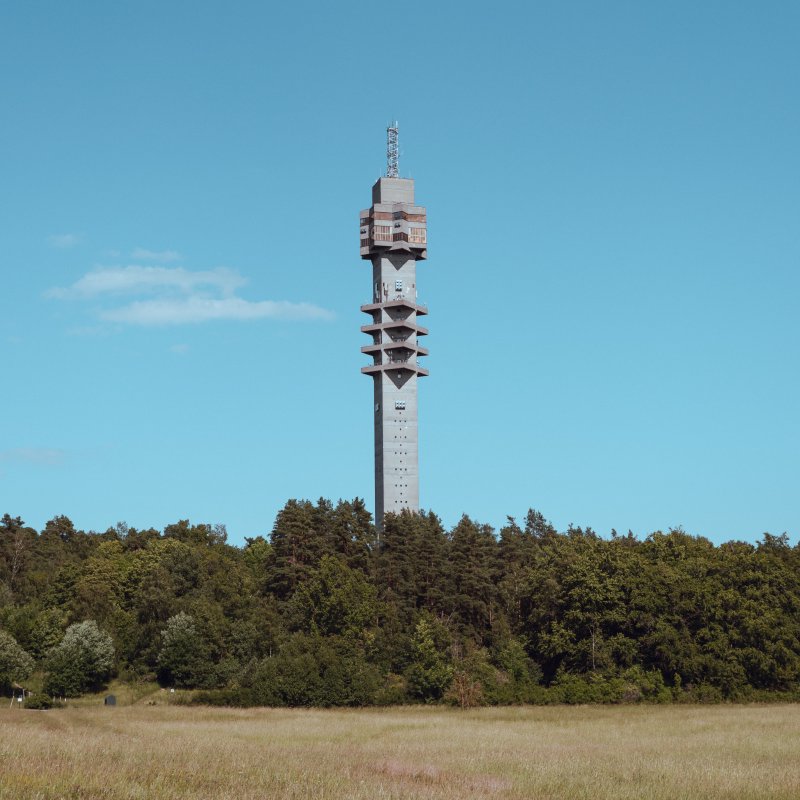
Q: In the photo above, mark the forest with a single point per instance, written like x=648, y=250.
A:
x=323, y=612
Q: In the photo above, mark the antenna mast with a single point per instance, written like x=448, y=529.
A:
x=392, y=150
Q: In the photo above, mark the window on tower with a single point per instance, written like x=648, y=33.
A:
x=417, y=235
x=382, y=233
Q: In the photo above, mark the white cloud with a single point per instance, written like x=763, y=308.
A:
x=164, y=256
x=179, y=311
x=64, y=240
x=39, y=456
x=177, y=296
x=138, y=280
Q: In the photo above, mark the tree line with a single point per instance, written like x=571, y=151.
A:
x=325, y=612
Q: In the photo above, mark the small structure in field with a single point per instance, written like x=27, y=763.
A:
x=18, y=693
x=110, y=700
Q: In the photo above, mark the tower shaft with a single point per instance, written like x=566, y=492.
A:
x=394, y=238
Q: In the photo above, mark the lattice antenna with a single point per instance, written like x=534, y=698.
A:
x=392, y=150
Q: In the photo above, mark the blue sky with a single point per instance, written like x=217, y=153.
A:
x=613, y=203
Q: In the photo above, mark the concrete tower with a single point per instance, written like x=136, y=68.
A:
x=394, y=238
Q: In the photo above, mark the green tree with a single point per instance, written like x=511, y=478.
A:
x=352, y=533
x=429, y=674
x=471, y=586
x=183, y=659
x=15, y=543
x=336, y=600
x=82, y=661
x=15, y=663
x=297, y=547
x=411, y=563
x=47, y=631
x=98, y=589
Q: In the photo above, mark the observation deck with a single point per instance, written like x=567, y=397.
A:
x=394, y=225
x=399, y=366
x=396, y=303
x=395, y=325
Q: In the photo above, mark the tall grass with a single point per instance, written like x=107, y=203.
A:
x=166, y=753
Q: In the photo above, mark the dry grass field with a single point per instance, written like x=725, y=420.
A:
x=170, y=752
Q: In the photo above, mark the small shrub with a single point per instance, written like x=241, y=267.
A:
x=465, y=691
x=703, y=693
x=394, y=691
x=235, y=698
x=583, y=689
x=41, y=702
x=642, y=686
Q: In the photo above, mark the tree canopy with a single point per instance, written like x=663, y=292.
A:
x=323, y=611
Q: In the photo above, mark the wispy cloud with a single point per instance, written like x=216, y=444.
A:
x=179, y=311
x=64, y=240
x=179, y=349
x=39, y=456
x=177, y=296
x=162, y=256
x=147, y=280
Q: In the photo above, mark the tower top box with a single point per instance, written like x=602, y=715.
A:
x=393, y=190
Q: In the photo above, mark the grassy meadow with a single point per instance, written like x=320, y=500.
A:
x=164, y=752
